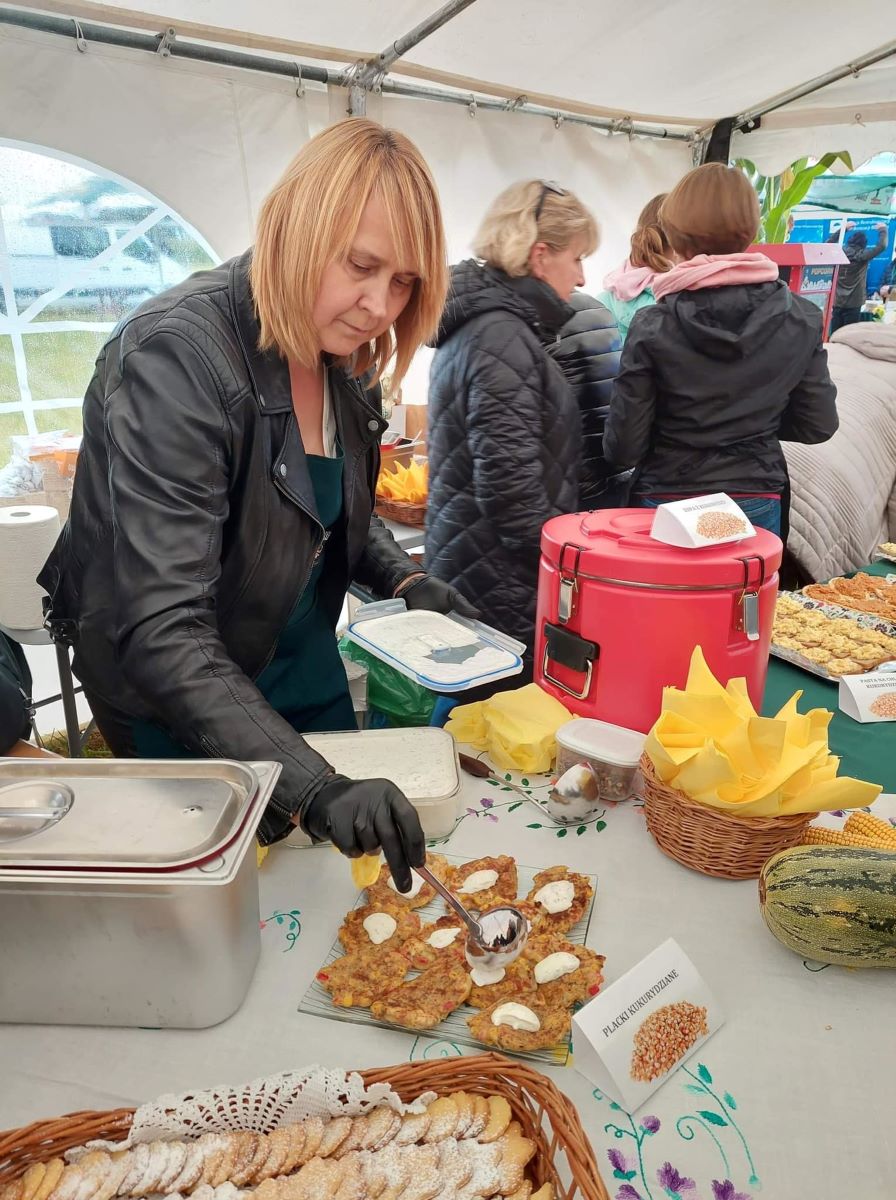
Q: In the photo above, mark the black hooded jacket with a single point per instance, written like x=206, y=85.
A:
x=711, y=382
x=504, y=441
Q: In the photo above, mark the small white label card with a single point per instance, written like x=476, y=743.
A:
x=629, y=1038
x=870, y=697
x=700, y=521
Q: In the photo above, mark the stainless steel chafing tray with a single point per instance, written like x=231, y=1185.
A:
x=129, y=895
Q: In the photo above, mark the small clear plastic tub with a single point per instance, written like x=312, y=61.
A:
x=612, y=751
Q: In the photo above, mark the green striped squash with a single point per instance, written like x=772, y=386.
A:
x=833, y=904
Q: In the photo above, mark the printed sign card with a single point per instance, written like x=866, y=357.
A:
x=870, y=697
x=701, y=521
x=629, y=1038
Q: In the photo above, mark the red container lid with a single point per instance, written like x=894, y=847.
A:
x=615, y=544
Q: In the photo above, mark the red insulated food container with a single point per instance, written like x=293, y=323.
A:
x=619, y=614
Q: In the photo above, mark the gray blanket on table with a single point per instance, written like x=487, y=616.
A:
x=844, y=492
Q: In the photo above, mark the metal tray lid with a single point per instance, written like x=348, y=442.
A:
x=123, y=815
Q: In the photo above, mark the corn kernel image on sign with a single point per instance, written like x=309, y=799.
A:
x=631, y=1037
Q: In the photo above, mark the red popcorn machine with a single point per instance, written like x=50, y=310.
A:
x=810, y=269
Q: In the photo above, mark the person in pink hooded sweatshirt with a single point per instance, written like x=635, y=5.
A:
x=724, y=367
x=630, y=287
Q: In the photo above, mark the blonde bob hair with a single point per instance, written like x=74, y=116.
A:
x=310, y=219
x=509, y=229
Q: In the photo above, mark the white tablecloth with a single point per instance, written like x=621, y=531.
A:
x=792, y=1099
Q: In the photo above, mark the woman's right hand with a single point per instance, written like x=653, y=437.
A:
x=364, y=816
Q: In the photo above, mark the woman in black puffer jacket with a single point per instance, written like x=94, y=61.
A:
x=504, y=426
x=588, y=349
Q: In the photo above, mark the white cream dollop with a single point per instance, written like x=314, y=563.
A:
x=517, y=1016
x=479, y=881
x=440, y=938
x=484, y=977
x=380, y=927
x=554, y=966
x=556, y=897
x=416, y=885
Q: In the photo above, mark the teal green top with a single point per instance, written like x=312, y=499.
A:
x=305, y=680
x=624, y=310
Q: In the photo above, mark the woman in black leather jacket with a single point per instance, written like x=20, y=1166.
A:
x=223, y=499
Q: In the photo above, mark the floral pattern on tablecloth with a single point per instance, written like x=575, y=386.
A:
x=647, y=1160
x=490, y=808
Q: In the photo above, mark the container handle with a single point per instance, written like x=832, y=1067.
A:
x=571, y=651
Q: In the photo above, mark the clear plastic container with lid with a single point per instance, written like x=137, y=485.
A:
x=612, y=751
x=442, y=653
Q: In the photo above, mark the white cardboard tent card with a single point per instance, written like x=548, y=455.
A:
x=632, y=1036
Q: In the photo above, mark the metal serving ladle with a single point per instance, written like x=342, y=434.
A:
x=495, y=939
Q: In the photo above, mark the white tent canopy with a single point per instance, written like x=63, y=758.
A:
x=209, y=139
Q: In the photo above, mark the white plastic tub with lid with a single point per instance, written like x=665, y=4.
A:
x=422, y=762
x=613, y=752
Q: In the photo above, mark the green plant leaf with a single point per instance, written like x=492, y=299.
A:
x=562, y=832
x=712, y=1117
x=581, y=829
x=704, y=1074
x=492, y=782
x=535, y=825
x=508, y=778
x=600, y=826
x=729, y=1100
x=513, y=807
x=524, y=782
x=695, y=1089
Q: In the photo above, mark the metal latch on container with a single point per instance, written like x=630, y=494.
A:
x=569, y=585
x=747, y=612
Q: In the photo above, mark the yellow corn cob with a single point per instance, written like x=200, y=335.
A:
x=866, y=825
x=839, y=837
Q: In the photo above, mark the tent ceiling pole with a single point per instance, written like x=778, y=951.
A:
x=747, y=120
x=368, y=76
x=302, y=72
x=415, y=36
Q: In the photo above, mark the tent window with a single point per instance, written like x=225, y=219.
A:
x=79, y=248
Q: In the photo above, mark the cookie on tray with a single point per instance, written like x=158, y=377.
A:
x=423, y=1002
x=516, y=982
x=439, y=942
x=384, y=891
x=378, y=925
x=357, y=979
x=562, y=897
x=548, y=1025
x=485, y=883
x=550, y=953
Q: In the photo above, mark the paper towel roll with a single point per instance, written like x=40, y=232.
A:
x=27, y=535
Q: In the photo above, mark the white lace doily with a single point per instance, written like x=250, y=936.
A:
x=261, y=1106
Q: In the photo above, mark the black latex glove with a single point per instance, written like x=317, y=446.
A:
x=436, y=596
x=364, y=816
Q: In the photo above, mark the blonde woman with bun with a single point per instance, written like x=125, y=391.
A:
x=224, y=493
x=504, y=424
x=630, y=287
